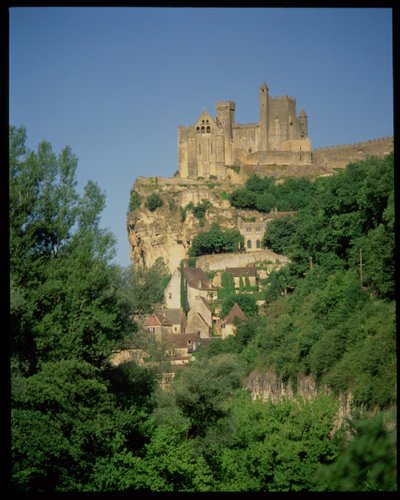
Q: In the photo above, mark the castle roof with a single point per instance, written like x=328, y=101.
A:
x=302, y=112
x=264, y=86
x=234, y=313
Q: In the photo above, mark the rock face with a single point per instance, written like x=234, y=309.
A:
x=168, y=231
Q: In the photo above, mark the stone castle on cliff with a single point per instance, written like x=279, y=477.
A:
x=279, y=138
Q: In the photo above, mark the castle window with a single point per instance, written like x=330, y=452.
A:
x=208, y=130
x=198, y=129
x=258, y=244
x=202, y=121
x=248, y=243
x=202, y=130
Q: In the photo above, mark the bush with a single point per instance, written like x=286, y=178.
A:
x=135, y=200
x=153, y=202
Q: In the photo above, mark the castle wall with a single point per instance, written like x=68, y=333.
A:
x=246, y=138
x=340, y=156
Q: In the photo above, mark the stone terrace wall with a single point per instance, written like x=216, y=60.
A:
x=340, y=156
x=219, y=262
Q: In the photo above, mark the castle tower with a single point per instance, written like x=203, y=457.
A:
x=226, y=119
x=303, y=123
x=264, y=97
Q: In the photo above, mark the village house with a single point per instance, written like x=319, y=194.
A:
x=166, y=321
x=244, y=275
x=228, y=326
x=199, y=318
x=197, y=284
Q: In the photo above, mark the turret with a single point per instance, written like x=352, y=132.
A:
x=264, y=98
x=303, y=123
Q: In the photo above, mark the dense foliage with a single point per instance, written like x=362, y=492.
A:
x=79, y=424
x=216, y=240
x=264, y=194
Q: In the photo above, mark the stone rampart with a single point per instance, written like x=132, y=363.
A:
x=342, y=155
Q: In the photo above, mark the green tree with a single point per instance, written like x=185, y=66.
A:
x=246, y=302
x=216, y=241
x=367, y=462
x=59, y=261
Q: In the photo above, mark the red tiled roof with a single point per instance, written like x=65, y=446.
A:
x=152, y=321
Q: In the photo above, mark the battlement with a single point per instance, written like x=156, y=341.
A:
x=385, y=139
x=283, y=98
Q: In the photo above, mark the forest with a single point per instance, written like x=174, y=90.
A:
x=80, y=425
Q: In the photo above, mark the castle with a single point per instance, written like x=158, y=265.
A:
x=212, y=144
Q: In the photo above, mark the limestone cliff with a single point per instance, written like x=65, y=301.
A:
x=168, y=231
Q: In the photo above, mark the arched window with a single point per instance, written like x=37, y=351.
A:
x=198, y=130
x=202, y=130
x=258, y=244
x=208, y=129
x=248, y=243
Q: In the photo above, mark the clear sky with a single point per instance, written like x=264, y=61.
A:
x=114, y=83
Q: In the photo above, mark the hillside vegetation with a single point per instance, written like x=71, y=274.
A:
x=80, y=425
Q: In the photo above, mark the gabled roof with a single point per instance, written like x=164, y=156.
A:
x=169, y=317
x=234, y=313
x=242, y=271
x=197, y=278
x=208, y=120
x=152, y=321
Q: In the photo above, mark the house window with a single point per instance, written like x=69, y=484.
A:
x=249, y=229
x=248, y=243
x=258, y=244
x=257, y=230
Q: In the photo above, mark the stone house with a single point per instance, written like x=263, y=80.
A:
x=244, y=274
x=180, y=346
x=197, y=284
x=228, y=326
x=199, y=318
x=252, y=233
x=166, y=321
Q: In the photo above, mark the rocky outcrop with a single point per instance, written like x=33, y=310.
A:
x=169, y=230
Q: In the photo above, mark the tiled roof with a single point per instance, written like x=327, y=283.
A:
x=169, y=317
x=197, y=278
x=180, y=340
x=234, y=313
x=152, y=321
x=242, y=271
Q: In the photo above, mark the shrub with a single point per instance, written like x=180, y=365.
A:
x=153, y=202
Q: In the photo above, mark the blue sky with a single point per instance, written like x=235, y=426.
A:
x=114, y=83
